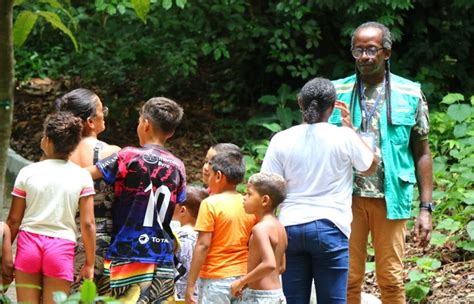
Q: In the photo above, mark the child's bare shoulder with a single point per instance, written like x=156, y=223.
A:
x=268, y=224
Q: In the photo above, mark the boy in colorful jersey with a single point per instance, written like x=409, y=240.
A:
x=149, y=181
x=221, y=251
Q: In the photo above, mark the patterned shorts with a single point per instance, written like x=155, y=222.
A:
x=133, y=282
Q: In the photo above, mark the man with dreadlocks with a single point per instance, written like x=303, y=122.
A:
x=391, y=114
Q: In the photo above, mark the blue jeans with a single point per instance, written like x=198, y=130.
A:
x=316, y=250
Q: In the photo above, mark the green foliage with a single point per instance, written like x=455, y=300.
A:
x=23, y=25
x=142, y=8
x=418, y=286
x=282, y=115
x=26, y=20
x=451, y=141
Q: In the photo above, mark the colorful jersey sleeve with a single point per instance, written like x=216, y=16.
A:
x=109, y=167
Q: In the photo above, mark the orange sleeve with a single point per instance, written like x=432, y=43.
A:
x=206, y=218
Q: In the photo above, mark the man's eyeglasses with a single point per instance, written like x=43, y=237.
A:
x=370, y=51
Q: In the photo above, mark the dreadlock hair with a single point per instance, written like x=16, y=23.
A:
x=386, y=44
x=316, y=96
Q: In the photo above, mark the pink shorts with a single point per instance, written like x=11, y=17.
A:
x=50, y=256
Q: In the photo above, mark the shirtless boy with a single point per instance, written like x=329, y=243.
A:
x=267, y=244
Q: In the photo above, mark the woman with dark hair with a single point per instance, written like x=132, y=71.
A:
x=317, y=159
x=86, y=105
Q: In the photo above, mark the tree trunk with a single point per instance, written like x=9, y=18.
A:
x=6, y=87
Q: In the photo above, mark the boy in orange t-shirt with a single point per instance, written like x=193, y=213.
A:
x=221, y=252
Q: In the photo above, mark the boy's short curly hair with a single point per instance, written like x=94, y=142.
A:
x=270, y=184
x=164, y=114
x=64, y=130
x=231, y=163
x=194, y=196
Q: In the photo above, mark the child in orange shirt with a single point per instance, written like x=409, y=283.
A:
x=221, y=252
x=268, y=242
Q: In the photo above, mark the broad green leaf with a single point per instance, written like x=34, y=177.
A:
x=111, y=10
x=460, y=130
x=285, y=115
x=268, y=99
x=470, y=230
x=449, y=224
x=88, y=291
x=452, y=98
x=121, y=8
x=469, y=197
x=468, y=245
x=459, y=112
x=369, y=267
x=22, y=28
x=180, y=3
x=416, y=276
x=206, y=49
x=56, y=4
x=437, y=195
x=217, y=54
x=428, y=263
x=274, y=127
x=416, y=291
x=142, y=8
x=56, y=22
x=167, y=4
x=437, y=238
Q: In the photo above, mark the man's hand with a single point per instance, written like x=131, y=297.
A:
x=423, y=228
x=345, y=114
x=189, y=295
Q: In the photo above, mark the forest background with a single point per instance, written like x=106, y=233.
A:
x=238, y=65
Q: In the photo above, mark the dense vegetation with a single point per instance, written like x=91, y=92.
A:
x=243, y=56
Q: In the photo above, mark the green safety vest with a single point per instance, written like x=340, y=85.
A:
x=399, y=169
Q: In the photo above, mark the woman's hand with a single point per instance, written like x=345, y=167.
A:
x=345, y=114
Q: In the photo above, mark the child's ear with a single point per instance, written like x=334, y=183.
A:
x=266, y=200
x=182, y=209
x=146, y=124
x=219, y=176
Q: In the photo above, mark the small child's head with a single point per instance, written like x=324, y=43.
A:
x=227, y=170
x=187, y=212
x=265, y=191
x=61, y=134
x=159, y=116
x=217, y=148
